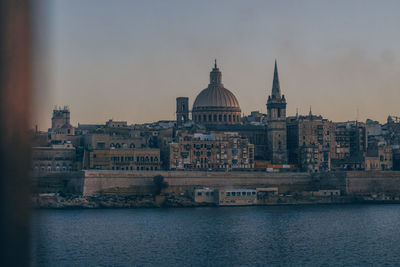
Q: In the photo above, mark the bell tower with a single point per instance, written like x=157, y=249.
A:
x=276, y=119
x=182, y=110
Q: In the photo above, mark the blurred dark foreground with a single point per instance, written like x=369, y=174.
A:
x=15, y=109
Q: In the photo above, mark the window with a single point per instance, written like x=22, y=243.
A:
x=209, y=117
x=279, y=112
x=225, y=117
x=230, y=117
x=233, y=193
x=199, y=193
x=94, y=155
x=204, y=117
x=228, y=194
x=215, y=117
x=220, y=117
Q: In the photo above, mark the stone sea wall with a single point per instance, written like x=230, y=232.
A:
x=92, y=182
x=373, y=182
x=181, y=181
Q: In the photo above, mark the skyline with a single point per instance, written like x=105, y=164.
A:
x=129, y=62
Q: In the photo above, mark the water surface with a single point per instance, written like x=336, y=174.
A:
x=275, y=235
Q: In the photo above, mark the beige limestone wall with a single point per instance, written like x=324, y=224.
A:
x=180, y=181
x=372, y=182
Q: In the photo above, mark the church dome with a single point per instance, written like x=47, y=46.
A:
x=216, y=97
x=216, y=104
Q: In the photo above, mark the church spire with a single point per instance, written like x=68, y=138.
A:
x=276, y=89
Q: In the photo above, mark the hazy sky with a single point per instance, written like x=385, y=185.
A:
x=129, y=60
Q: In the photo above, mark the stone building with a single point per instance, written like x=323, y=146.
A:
x=351, y=146
x=276, y=118
x=379, y=158
x=142, y=159
x=211, y=151
x=216, y=104
x=61, y=127
x=55, y=158
x=310, y=142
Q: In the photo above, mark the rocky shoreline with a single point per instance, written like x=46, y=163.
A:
x=57, y=201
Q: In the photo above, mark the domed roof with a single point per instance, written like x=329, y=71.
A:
x=215, y=96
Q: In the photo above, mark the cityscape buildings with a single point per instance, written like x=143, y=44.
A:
x=214, y=136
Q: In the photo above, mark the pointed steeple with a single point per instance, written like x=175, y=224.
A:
x=215, y=75
x=310, y=113
x=276, y=89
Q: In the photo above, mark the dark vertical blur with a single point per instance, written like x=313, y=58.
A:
x=15, y=95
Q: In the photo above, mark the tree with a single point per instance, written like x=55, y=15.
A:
x=159, y=183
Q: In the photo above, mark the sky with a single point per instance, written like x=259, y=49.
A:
x=129, y=60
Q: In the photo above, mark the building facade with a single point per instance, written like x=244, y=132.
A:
x=146, y=159
x=211, y=152
x=310, y=142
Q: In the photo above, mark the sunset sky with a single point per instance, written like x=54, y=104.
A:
x=129, y=60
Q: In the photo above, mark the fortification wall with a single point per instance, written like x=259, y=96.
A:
x=55, y=182
x=372, y=182
x=179, y=181
x=91, y=182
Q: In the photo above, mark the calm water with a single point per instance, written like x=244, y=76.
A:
x=287, y=235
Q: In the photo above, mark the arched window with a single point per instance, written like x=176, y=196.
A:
x=118, y=145
x=132, y=145
x=237, y=118
x=230, y=117
x=204, y=117
x=215, y=117
x=220, y=117
x=155, y=159
x=147, y=159
x=234, y=118
x=151, y=159
x=209, y=117
x=112, y=145
x=225, y=117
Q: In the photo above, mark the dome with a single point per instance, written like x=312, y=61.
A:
x=216, y=97
x=216, y=104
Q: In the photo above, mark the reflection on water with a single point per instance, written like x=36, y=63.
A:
x=278, y=235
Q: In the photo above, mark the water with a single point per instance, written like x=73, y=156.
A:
x=240, y=236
